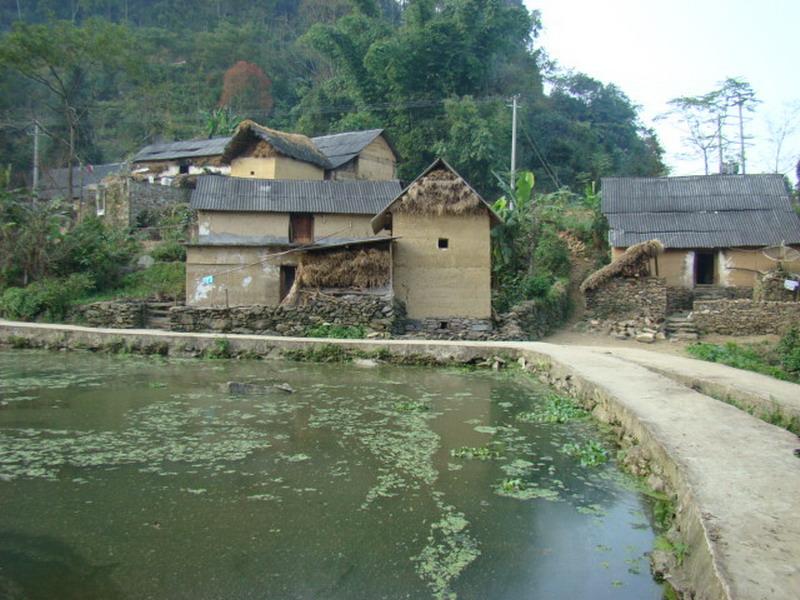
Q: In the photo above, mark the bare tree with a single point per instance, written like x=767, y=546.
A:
x=739, y=95
x=702, y=123
x=781, y=129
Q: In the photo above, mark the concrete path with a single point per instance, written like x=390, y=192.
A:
x=736, y=477
x=758, y=392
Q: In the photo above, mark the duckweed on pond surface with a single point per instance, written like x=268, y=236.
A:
x=126, y=477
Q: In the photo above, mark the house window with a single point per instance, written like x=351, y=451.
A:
x=444, y=243
x=183, y=169
x=301, y=228
x=252, y=173
x=442, y=324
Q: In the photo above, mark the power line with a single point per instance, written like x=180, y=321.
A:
x=545, y=164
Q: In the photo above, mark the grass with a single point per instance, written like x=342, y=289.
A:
x=555, y=409
x=344, y=332
x=590, y=454
x=764, y=358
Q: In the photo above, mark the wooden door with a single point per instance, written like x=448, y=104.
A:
x=301, y=228
x=287, y=279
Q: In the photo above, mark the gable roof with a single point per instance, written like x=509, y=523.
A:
x=707, y=211
x=54, y=182
x=236, y=194
x=382, y=218
x=179, y=150
x=293, y=145
x=341, y=148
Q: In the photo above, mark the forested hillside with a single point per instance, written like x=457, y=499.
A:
x=108, y=76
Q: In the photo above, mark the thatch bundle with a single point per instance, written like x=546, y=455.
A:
x=245, y=141
x=361, y=268
x=440, y=192
x=635, y=262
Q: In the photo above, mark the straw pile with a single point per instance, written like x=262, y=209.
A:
x=359, y=268
x=440, y=192
x=635, y=262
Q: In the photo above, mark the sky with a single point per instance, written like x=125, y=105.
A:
x=655, y=51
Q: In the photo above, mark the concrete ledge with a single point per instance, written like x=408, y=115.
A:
x=735, y=478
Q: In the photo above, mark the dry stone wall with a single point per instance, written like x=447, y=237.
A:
x=745, y=317
x=114, y=314
x=378, y=315
x=633, y=298
x=771, y=288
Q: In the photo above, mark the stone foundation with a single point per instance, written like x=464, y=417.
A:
x=745, y=317
x=448, y=329
x=679, y=299
x=377, y=314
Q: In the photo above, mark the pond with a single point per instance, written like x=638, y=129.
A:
x=131, y=477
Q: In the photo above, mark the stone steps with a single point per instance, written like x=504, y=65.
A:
x=157, y=316
x=681, y=327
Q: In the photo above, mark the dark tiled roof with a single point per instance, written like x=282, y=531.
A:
x=54, y=182
x=179, y=150
x=341, y=148
x=237, y=194
x=228, y=240
x=712, y=211
x=293, y=145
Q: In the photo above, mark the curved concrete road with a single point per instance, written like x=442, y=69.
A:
x=736, y=477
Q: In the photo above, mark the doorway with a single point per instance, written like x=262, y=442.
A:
x=301, y=228
x=704, y=270
x=287, y=279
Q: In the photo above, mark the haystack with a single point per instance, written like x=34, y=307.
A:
x=634, y=262
x=440, y=192
x=249, y=135
x=360, y=268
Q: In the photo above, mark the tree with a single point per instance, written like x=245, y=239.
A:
x=738, y=94
x=246, y=87
x=68, y=62
x=701, y=121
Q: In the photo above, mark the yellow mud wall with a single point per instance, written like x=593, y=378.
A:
x=243, y=223
x=248, y=275
x=342, y=226
x=254, y=168
x=376, y=162
x=288, y=168
x=437, y=283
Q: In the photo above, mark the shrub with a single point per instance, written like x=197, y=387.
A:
x=537, y=286
x=552, y=254
x=50, y=299
x=169, y=251
x=789, y=351
x=99, y=251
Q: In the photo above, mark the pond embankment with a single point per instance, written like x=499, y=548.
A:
x=736, y=479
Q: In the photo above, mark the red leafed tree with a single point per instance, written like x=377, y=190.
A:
x=246, y=87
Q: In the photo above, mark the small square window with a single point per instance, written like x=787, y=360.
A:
x=442, y=324
x=444, y=243
x=252, y=173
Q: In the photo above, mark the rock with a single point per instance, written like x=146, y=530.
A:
x=240, y=388
x=365, y=363
x=145, y=261
x=284, y=387
x=646, y=338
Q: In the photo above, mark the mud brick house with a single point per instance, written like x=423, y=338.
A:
x=714, y=228
x=164, y=161
x=261, y=241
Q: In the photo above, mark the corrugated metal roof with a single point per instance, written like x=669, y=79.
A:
x=55, y=181
x=236, y=194
x=185, y=149
x=710, y=211
x=227, y=240
x=341, y=148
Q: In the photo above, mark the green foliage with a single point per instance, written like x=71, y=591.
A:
x=761, y=358
x=551, y=254
x=162, y=281
x=555, y=409
x=590, y=454
x=169, y=251
x=412, y=406
x=327, y=330
x=789, y=352
x=97, y=250
x=47, y=299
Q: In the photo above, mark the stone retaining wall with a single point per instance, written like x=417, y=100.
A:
x=679, y=298
x=377, y=314
x=770, y=288
x=745, y=317
x=620, y=299
x=114, y=314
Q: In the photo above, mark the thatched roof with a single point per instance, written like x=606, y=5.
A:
x=349, y=268
x=294, y=145
x=634, y=262
x=439, y=190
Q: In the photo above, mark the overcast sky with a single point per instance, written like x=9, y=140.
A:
x=655, y=51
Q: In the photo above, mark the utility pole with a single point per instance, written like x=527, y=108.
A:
x=35, y=156
x=514, y=141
